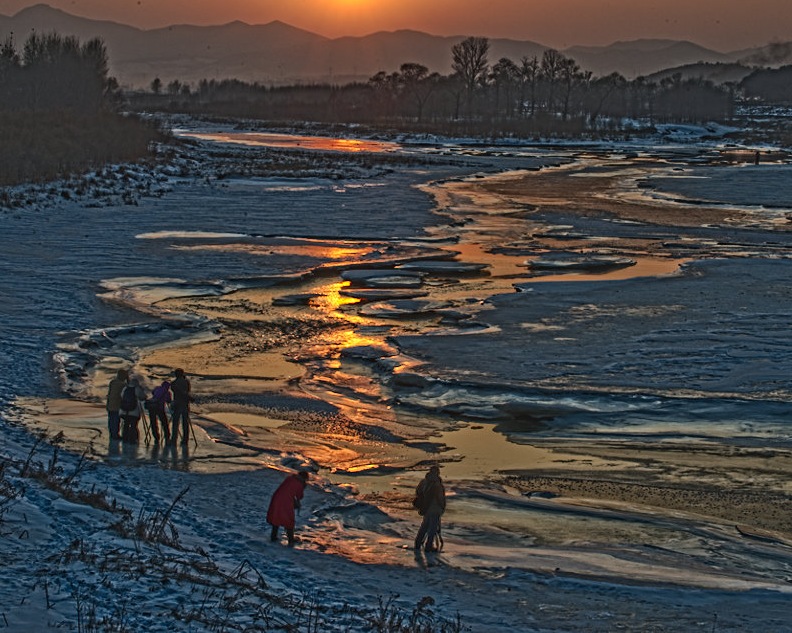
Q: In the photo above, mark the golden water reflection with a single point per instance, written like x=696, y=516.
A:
x=330, y=300
x=500, y=235
x=327, y=252
x=294, y=141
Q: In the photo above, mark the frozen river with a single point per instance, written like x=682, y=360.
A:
x=531, y=317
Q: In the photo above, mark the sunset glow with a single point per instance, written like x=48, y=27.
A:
x=320, y=143
x=559, y=23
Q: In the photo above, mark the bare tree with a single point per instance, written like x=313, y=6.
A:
x=600, y=92
x=9, y=58
x=570, y=76
x=529, y=76
x=550, y=68
x=174, y=87
x=9, y=73
x=419, y=84
x=505, y=76
x=470, y=63
x=386, y=91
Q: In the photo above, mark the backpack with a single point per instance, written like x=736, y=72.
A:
x=130, y=432
x=421, y=500
x=129, y=399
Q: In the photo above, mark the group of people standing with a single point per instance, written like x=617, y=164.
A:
x=127, y=403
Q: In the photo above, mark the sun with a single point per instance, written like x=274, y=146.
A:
x=349, y=5
x=338, y=18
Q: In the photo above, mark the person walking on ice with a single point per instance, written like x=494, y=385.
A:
x=285, y=500
x=430, y=501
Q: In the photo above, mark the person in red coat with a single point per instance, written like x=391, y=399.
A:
x=284, y=502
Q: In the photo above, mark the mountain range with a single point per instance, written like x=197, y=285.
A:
x=277, y=53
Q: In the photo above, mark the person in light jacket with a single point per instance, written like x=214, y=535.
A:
x=113, y=404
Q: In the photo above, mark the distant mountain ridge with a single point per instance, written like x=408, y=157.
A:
x=278, y=53
x=643, y=57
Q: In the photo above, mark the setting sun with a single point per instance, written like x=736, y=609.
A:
x=555, y=23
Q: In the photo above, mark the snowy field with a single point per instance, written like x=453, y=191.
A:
x=592, y=341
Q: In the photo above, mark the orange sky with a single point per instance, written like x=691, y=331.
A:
x=724, y=25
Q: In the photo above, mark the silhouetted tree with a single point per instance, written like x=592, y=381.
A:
x=570, y=77
x=418, y=84
x=505, y=76
x=642, y=99
x=603, y=95
x=59, y=110
x=385, y=88
x=550, y=69
x=174, y=87
x=769, y=85
x=529, y=76
x=470, y=64
x=692, y=100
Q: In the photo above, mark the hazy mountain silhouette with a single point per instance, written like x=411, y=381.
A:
x=774, y=55
x=277, y=53
x=717, y=73
x=643, y=57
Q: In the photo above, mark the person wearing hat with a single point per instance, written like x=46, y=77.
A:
x=284, y=502
x=113, y=404
x=430, y=502
x=182, y=396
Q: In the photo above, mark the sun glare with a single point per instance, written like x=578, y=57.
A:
x=350, y=17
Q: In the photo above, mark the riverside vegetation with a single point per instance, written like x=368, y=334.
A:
x=60, y=111
x=533, y=97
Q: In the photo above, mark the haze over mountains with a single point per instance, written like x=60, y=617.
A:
x=277, y=53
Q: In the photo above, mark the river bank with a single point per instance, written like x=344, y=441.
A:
x=607, y=425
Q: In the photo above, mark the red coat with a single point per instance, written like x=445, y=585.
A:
x=281, y=507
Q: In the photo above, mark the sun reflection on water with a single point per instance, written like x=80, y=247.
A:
x=317, y=143
x=330, y=301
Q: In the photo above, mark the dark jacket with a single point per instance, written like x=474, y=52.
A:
x=181, y=392
x=114, y=393
x=434, y=493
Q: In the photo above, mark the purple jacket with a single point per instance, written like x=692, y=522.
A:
x=160, y=397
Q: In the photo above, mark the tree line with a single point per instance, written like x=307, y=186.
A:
x=60, y=110
x=550, y=94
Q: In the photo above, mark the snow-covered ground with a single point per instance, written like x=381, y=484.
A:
x=141, y=539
